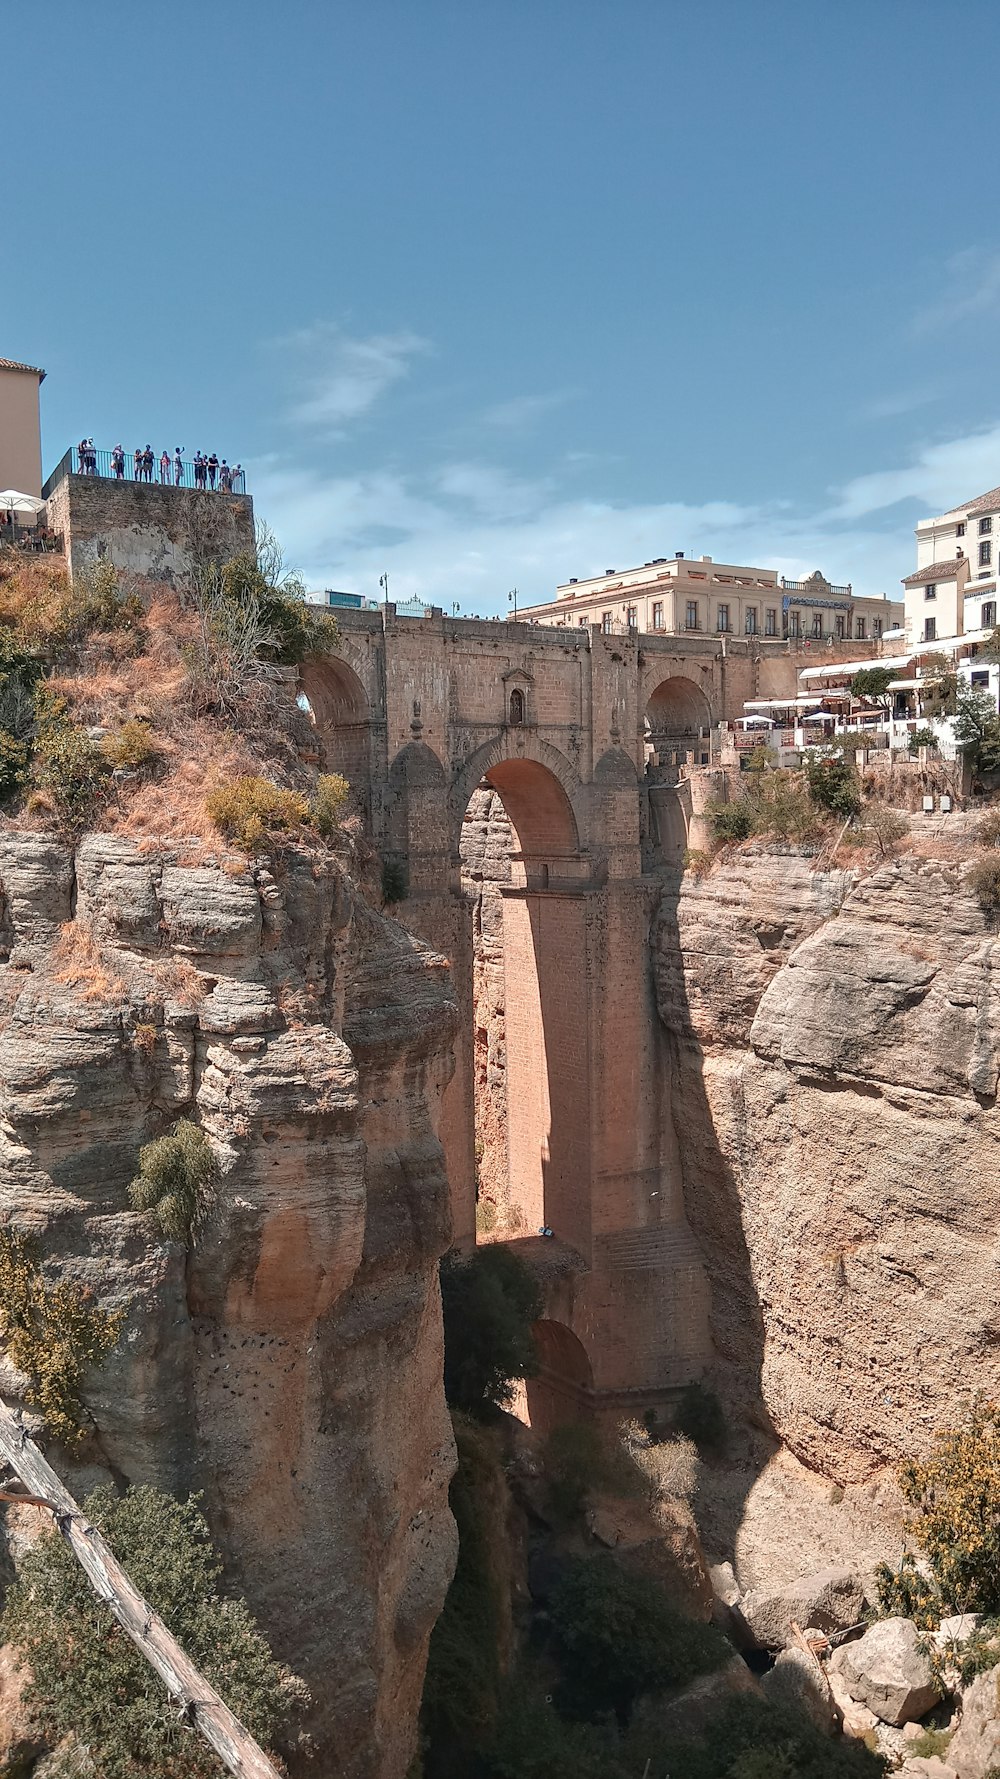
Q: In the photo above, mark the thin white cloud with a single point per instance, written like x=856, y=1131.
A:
x=972, y=287
x=521, y=411
x=940, y=476
x=340, y=377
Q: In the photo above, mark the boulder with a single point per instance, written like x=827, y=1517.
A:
x=887, y=1671
x=975, y=1747
x=856, y=1721
x=928, y=1766
x=690, y=1713
x=829, y=1600
x=798, y=1680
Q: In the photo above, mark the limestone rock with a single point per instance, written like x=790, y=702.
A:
x=798, y=1680
x=928, y=1766
x=690, y=1713
x=886, y=1671
x=856, y=1721
x=975, y=1747
x=829, y=1600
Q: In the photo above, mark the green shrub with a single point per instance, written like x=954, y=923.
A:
x=731, y=822
x=252, y=811
x=574, y=1463
x=14, y=757
x=907, y=1592
x=988, y=829
x=394, y=885
x=887, y=827
x=956, y=1496
x=490, y=1301
x=699, y=1417
x=70, y=768
x=751, y=1739
x=616, y=1637
x=53, y=1333
x=101, y=602
x=928, y=1744
x=921, y=738
x=977, y=730
x=532, y=1741
x=175, y=1177
x=328, y=803
x=983, y=879
x=833, y=784
x=871, y=682
x=90, y=1683
x=132, y=746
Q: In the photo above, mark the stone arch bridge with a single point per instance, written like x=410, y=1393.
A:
x=579, y=734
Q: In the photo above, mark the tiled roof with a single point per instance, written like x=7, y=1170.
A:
x=11, y=364
x=983, y=503
x=937, y=571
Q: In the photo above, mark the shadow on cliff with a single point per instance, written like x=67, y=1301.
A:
x=714, y=1211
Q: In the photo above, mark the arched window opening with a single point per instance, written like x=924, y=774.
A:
x=517, y=705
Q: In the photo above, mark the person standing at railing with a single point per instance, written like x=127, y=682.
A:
x=238, y=479
x=137, y=463
x=213, y=468
x=178, y=468
x=225, y=478
x=148, y=461
x=165, y=469
x=118, y=463
x=199, y=470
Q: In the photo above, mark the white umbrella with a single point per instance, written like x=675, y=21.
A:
x=819, y=716
x=20, y=503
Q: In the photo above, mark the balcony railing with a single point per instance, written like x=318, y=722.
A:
x=179, y=475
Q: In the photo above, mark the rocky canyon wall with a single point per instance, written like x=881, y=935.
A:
x=289, y=1365
x=836, y=1040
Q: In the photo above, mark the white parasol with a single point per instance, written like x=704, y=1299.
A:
x=10, y=500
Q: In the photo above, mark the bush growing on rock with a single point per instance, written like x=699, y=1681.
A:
x=328, y=802
x=699, y=1417
x=132, y=746
x=252, y=811
x=984, y=881
x=88, y=1681
x=956, y=1496
x=833, y=784
x=749, y=1739
x=68, y=767
x=174, y=1181
x=490, y=1301
x=616, y=1637
x=53, y=1333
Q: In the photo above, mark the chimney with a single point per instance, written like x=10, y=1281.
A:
x=679, y=555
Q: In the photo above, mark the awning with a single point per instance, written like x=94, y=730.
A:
x=21, y=503
x=852, y=667
x=779, y=703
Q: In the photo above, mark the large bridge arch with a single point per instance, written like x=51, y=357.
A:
x=678, y=714
x=333, y=697
x=541, y=792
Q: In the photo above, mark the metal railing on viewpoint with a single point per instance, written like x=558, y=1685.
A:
x=180, y=474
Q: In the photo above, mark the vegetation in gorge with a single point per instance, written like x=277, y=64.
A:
x=176, y=1174
x=53, y=1333
x=90, y=1684
x=955, y=1494
x=490, y=1302
x=977, y=730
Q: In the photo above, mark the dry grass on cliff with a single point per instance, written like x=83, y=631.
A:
x=78, y=961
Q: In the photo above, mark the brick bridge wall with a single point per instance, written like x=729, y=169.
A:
x=147, y=530
x=591, y=1148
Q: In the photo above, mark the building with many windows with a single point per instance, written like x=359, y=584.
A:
x=953, y=590
x=681, y=595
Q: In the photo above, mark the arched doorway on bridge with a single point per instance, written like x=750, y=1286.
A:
x=562, y=1389
x=521, y=876
x=678, y=723
x=333, y=698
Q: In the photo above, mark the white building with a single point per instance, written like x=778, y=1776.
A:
x=953, y=590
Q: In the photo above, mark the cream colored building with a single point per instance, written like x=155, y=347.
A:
x=20, y=428
x=680, y=595
x=953, y=590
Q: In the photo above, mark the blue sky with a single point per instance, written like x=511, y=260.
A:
x=486, y=294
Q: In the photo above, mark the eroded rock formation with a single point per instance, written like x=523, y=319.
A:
x=290, y=1364
x=838, y=1049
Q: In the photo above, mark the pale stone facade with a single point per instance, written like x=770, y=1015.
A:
x=677, y=595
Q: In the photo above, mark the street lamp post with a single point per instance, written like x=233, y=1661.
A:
x=512, y=600
x=383, y=582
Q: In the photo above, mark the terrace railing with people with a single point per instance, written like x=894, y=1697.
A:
x=182, y=473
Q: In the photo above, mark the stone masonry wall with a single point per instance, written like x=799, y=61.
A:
x=156, y=533
x=485, y=849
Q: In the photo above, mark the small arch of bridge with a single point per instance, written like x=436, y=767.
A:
x=539, y=788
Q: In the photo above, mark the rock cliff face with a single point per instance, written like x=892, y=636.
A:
x=837, y=1048
x=290, y=1364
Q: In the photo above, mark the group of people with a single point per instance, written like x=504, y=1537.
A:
x=209, y=472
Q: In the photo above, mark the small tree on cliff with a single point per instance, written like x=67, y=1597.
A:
x=89, y=1684
x=490, y=1301
x=955, y=1494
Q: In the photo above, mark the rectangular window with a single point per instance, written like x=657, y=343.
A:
x=859, y=629
x=795, y=624
x=770, y=622
x=982, y=678
x=723, y=623
x=751, y=620
x=582, y=622
x=840, y=629
x=985, y=551
x=960, y=530
x=877, y=628
x=657, y=614
x=606, y=623
x=930, y=630
x=930, y=591
x=985, y=527
x=989, y=615
x=632, y=617
x=817, y=623
x=691, y=618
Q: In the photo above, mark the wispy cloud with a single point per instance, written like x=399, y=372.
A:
x=972, y=287
x=522, y=411
x=939, y=477
x=339, y=377
x=903, y=401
